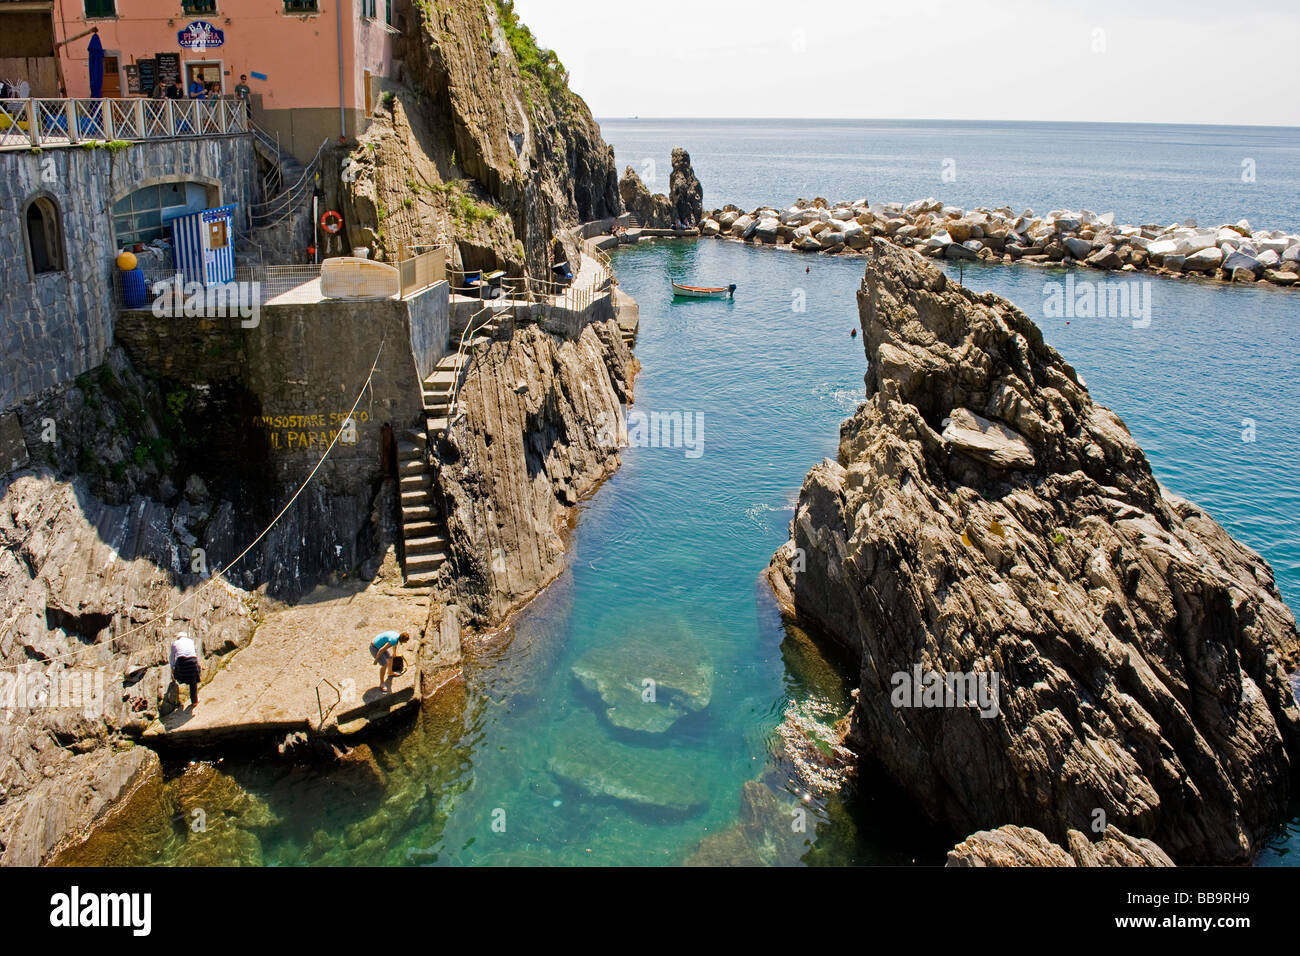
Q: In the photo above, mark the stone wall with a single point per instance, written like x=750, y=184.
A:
x=275, y=396
x=57, y=325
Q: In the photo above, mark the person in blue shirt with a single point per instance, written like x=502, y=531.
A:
x=382, y=650
x=197, y=88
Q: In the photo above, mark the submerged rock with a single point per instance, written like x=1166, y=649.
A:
x=1135, y=653
x=661, y=652
x=650, y=778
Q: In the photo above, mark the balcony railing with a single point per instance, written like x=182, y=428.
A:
x=68, y=122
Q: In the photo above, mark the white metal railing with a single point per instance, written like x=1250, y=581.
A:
x=65, y=122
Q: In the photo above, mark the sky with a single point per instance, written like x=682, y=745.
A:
x=1198, y=61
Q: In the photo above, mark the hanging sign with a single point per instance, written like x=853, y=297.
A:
x=200, y=35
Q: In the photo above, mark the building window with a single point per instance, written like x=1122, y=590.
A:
x=194, y=7
x=367, y=9
x=146, y=214
x=100, y=8
x=44, y=236
x=301, y=6
x=388, y=12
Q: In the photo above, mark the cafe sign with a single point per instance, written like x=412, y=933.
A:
x=200, y=35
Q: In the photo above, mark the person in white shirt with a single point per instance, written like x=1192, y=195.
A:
x=184, y=660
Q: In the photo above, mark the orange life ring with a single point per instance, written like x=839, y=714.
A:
x=331, y=222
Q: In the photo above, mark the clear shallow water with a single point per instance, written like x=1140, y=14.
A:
x=673, y=545
x=1142, y=173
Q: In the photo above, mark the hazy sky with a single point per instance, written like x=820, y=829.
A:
x=1198, y=61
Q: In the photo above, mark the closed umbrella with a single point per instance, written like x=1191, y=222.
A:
x=96, y=67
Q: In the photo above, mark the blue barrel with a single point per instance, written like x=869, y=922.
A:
x=135, y=295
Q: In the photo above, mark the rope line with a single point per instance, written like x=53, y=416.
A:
x=219, y=575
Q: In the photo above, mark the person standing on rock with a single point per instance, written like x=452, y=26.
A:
x=381, y=649
x=184, y=660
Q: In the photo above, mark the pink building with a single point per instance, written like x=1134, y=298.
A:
x=313, y=66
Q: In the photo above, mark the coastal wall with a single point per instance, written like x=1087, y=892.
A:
x=273, y=397
x=987, y=527
x=56, y=325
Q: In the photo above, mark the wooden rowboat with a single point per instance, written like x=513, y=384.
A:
x=704, y=292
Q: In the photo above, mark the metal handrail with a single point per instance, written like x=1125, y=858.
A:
x=319, y=707
x=282, y=198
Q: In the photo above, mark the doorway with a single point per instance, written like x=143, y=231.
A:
x=205, y=72
x=112, y=75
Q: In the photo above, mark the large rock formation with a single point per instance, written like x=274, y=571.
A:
x=541, y=430
x=685, y=191
x=1024, y=846
x=481, y=147
x=654, y=210
x=987, y=518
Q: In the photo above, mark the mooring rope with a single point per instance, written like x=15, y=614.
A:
x=219, y=575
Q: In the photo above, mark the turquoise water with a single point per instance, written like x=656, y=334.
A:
x=523, y=764
x=1141, y=172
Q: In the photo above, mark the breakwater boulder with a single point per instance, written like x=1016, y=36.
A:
x=1046, y=636
x=1234, y=252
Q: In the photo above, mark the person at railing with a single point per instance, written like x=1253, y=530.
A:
x=244, y=93
x=174, y=91
x=197, y=88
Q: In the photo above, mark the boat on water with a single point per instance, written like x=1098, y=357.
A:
x=703, y=291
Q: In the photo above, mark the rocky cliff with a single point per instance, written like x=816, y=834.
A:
x=541, y=430
x=988, y=527
x=479, y=146
x=683, y=205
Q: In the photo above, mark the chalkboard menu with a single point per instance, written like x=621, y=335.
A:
x=169, y=67
x=148, y=76
x=132, y=72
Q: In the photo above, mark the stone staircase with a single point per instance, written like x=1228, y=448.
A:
x=424, y=526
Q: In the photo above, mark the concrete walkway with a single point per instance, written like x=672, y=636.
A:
x=270, y=687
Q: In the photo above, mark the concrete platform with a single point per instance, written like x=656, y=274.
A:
x=321, y=644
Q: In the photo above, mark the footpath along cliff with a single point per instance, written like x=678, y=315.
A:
x=986, y=517
x=481, y=148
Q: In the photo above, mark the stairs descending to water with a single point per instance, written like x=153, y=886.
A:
x=424, y=526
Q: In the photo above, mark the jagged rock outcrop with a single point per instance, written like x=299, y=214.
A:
x=1139, y=652
x=73, y=571
x=1025, y=846
x=655, y=210
x=542, y=428
x=473, y=150
x=685, y=191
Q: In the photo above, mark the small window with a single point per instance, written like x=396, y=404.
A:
x=101, y=8
x=388, y=12
x=301, y=6
x=208, y=7
x=44, y=237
